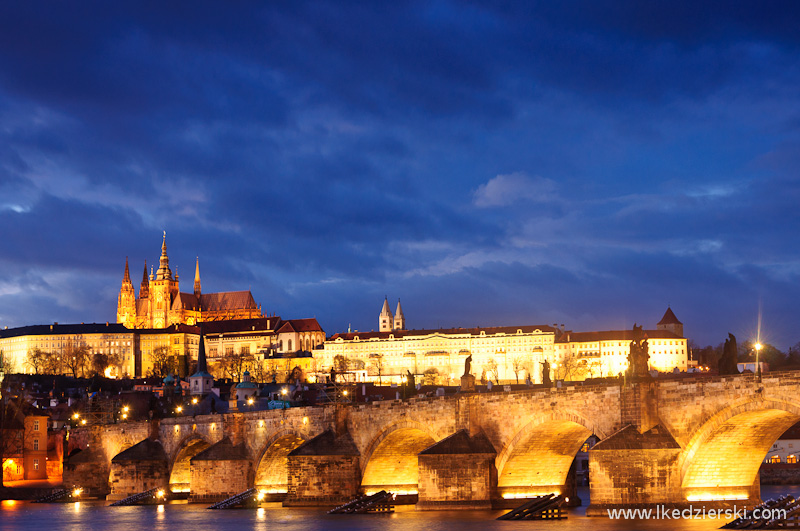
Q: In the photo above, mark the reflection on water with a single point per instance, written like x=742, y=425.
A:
x=95, y=515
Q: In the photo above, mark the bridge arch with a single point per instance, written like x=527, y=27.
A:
x=180, y=475
x=390, y=461
x=723, y=456
x=272, y=461
x=537, y=460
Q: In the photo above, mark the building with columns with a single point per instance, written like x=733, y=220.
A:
x=161, y=303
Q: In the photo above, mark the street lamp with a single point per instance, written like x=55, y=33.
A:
x=758, y=347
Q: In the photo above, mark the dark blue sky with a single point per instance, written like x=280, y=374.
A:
x=584, y=163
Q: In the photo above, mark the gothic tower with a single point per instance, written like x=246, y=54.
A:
x=144, y=287
x=126, y=303
x=197, y=278
x=163, y=290
x=399, y=318
x=386, y=320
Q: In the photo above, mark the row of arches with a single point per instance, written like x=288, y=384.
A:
x=720, y=461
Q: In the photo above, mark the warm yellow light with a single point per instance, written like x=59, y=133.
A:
x=284, y=391
x=76, y=416
x=160, y=493
x=124, y=416
x=534, y=494
x=344, y=392
x=126, y=409
x=305, y=420
x=261, y=495
x=710, y=496
x=758, y=346
x=250, y=401
x=83, y=421
x=194, y=400
x=179, y=409
x=76, y=493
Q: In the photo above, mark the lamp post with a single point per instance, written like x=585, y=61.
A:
x=758, y=364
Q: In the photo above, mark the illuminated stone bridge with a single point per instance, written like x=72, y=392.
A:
x=666, y=441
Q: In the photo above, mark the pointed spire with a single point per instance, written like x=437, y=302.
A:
x=144, y=287
x=399, y=311
x=197, y=278
x=202, y=365
x=126, y=279
x=385, y=320
x=164, y=272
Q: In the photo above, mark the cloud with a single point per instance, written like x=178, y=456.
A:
x=508, y=189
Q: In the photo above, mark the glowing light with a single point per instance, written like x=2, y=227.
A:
x=124, y=416
x=179, y=409
x=76, y=492
x=107, y=372
x=716, y=497
x=534, y=494
x=76, y=416
x=260, y=513
x=126, y=409
x=261, y=495
x=260, y=423
x=344, y=392
x=759, y=346
x=194, y=400
x=284, y=391
x=160, y=493
x=161, y=508
x=305, y=420
x=77, y=506
x=250, y=401
x=83, y=421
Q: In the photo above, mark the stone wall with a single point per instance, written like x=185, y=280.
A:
x=131, y=477
x=322, y=480
x=458, y=481
x=219, y=479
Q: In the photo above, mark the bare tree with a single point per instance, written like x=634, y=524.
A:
x=76, y=358
x=11, y=426
x=518, y=365
x=493, y=371
x=376, y=365
x=162, y=361
x=430, y=376
x=36, y=360
x=340, y=363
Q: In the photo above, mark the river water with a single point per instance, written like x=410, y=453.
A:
x=178, y=516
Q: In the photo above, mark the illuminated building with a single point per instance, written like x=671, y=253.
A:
x=507, y=354
x=161, y=303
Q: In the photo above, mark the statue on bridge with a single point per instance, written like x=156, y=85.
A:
x=730, y=354
x=467, y=380
x=546, y=381
x=638, y=357
x=467, y=365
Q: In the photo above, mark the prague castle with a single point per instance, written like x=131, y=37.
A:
x=161, y=303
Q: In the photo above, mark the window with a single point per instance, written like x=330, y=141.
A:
x=289, y=343
x=36, y=444
x=585, y=447
x=36, y=464
x=775, y=459
x=36, y=425
x=792, y=459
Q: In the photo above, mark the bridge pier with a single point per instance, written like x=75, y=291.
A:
x=141, y=467
x=458, y=472
x=324, y=471
x=220, y=471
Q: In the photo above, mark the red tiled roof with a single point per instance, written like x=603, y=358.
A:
x=227, y=300
x=300, y=325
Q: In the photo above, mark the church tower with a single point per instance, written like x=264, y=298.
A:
x=386, y=320
x=201, y=382
x=126, y=303
x=399, y=318
x=197, y=278
x=670, y=322
x=163, y=290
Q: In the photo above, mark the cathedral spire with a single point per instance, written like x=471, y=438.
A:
x=197, y=277
x=126, y=279
x=202, y=365
x=164, y=272
x=144, y=287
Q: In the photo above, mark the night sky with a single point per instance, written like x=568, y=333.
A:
x=497, y=163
